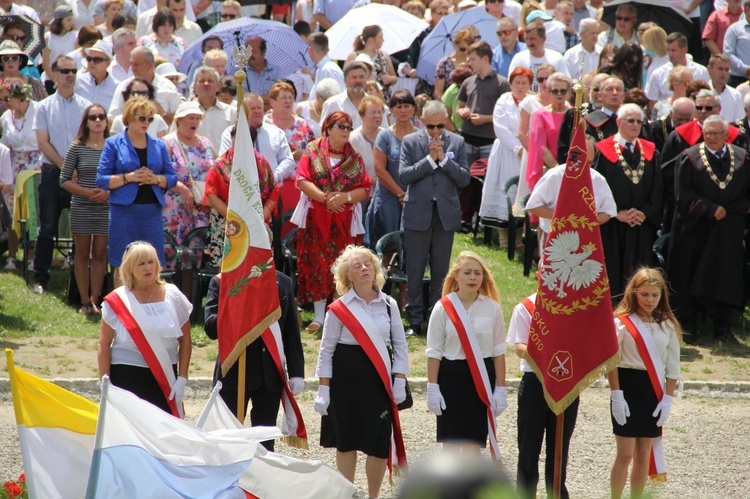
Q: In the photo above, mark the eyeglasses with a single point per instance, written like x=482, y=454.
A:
x=65, y=71
x=559, y=91
x=97, y=117
x=713, y=134
x=17, y=38
x=143, y=119
x=432, y=127
x=229, y=16
x=541, y=79
x=505, y=32
x=624, y=19
x=705, y=108
x=494, y=1
x=5, y=99
x=96, y=60
x=11, y=58
x=630, y=121
x=343, y=127
x=440, y=13
x=141, y=93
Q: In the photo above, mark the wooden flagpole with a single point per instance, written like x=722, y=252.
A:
x=241, y=374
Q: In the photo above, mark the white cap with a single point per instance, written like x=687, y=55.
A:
x=166, y=69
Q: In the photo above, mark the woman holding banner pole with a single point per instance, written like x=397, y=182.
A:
x=465, y=349
x=644, y=384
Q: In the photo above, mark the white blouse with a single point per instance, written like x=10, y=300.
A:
x=19, y=135
x=518, y=329
x=487, y=320
x=334, y=332
x=167, y=316
x=666, y=341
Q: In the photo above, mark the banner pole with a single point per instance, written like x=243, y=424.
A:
x=241, y=374
x=557, y=482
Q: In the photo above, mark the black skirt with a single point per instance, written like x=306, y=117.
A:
x=359, y=416
x=141, y=382
x=465, y=415
x=639, y=394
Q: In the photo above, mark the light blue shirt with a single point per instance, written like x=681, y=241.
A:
x=61, y=117
x=333, y=9
x=100, y=94
x=737, y=46
x=326, y=68
x=261, y=83
x=501, y=59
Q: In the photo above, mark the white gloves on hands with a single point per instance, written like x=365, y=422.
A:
x=178, y=390
x=399, y=390
x=296, y=385
x=664, y=407
x=435, y=400
x=620, y=409
x=322, y=400
x=499, y=400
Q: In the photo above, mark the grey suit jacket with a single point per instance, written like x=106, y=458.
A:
x=425, y=183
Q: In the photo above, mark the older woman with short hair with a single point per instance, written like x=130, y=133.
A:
x=296, y=129
x=371, y=111
x=311, y=111
x=677, y=82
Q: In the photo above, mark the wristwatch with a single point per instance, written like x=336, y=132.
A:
x=349, y=197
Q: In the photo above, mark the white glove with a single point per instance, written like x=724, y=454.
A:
x=664, y=407
x=435, y=400
x=620, y=409
x=322, y=400
x=296, y=385
x=178, y=390
x=499, y=400
x=399, y=390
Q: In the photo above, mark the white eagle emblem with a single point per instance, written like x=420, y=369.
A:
x=566, y=267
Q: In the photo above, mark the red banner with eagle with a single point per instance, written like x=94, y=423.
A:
x=572, y=338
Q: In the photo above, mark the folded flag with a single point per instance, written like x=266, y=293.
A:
x=56, y=429
x=141, y=451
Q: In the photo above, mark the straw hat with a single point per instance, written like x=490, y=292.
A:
x=166, y=69
x=9, y=47
x=187, y=108
x=100, y=47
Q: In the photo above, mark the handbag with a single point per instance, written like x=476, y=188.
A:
x=197, y=187
x=409, y=401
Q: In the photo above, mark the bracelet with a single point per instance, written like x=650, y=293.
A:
x=325, y=199
x=124, y=179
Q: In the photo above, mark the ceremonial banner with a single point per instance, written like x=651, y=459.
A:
x=56, y=430
x=572, y=339
x=248, y=297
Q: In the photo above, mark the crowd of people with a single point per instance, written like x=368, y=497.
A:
x=352, y=150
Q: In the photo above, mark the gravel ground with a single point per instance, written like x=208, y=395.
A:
x=707, y=443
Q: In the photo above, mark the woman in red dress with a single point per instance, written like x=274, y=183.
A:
x=333, y=181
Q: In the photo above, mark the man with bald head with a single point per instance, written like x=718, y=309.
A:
x=260, y=75
x=602, y=123
x=683, y=110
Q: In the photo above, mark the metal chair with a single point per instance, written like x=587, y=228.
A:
x=390, y=249
x=289, y=248
x=661, y=249
x=529, y=241
x=195, y=246
x=512, y=220
x=174, y=251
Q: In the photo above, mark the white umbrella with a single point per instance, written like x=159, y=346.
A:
x=399, y=29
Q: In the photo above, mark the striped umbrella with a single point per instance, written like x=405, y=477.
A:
x=34, y=42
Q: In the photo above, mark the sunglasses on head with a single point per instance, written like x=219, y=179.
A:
x=432, y=127
x=11, y=58
x=143, y=119
x=97, y=117
x=64, y=71
x=630, y=121
x=343, y=127
x=706, y=108
x=95, y=60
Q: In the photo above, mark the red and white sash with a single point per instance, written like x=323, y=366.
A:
x=657, y=469
x=135, y=319
x=460, y=319
x=364, y=330
x=292, y=424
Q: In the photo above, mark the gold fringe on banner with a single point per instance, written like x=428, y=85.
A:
x=658, y=478
x=295, y=441
x=249, y=337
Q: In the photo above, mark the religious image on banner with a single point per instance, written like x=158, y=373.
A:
x=572, y=339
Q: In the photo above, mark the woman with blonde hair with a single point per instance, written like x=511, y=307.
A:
x=644, y=384
x=157, y=315
x=365, y=347
x=654, y=51
x=677, y=81
x=465, y=350
x=445, y=66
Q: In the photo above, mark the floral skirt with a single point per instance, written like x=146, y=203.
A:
x=22, y=161
x=180, y=222
x=215, y=246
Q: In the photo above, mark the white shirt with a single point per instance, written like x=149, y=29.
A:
x=101, y=94
x=334, y=332
x=657, y=86
x=144, y=5
x=18, y=9
x=157, y=128
x=341, y=102
x=555, y=36
x=617, y=39
x=366, y=148
x=732, y=108
x=486, y=318
x=303, y=84
x=190, y=31
x=518, y=329
x=326, y=68
x=165, y=94
x=118, y=72
x=573, y=58
x=546, y=190
x=665, y=339
x=512, y=9
x=6, y=166
x=23, y=139
x=273, y=146
x=524, y=59
x=217, y=118
x=82, y=14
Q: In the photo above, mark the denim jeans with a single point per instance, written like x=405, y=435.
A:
x=52, y=200
x=474, y=153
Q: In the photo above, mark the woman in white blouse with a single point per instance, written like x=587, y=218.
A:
x=649, y=335
x=371, y=111
x=470, y=290
x=356, y=407
x=162, y=314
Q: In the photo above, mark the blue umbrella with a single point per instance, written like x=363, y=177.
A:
x=284, y=48
x=439, y=43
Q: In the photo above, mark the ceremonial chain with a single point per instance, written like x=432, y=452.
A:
x=721, y=183
x=634, y=175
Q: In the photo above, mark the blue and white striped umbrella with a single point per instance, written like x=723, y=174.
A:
x=284, y=48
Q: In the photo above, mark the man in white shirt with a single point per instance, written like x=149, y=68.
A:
x=355, y=76
x=586, y=51
x=271, y=142
x=96, y=84
x=731, y=100
x=626, y=17
x=186, y=29
x=554, y=30
x=504, y=8
x=217, y=116
x=123, y=41
x=536, y=54
x=12, y=9
x=657, y=87
x=146, y=15
x=324, y=66
x=142, y=63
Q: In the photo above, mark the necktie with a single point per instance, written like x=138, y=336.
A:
x=630, y=147
x=719, y=154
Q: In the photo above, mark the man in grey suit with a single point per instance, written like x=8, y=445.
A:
x=433, y=167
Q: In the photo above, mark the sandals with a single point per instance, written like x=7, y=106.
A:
x=314, y=327
x=88, y=308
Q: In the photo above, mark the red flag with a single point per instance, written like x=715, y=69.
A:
x=572, y=339
x=248, y=296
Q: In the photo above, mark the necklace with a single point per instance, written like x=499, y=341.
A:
x=153, y=289
x=721, y=183
x=634, y=175
x=331, y=150
x=23, y=123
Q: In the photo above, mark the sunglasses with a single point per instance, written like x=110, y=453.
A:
x=71, y=71
x=541, y=79
x=494, y=1
x=143, y=93
x=5, y=99
x=229, y=16
x=18, y=38
x=630, y=121
x=11, y=58
x=95, y=60
x=143, y=119
x=432, y=127
x=624, y=19
x=705, y=108
x=97, y=117
x=559, y=91
x=595, y=89
x=506, y=32
x=343, y=127
x=135, y=243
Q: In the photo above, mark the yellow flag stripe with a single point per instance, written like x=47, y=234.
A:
x=39, y=403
